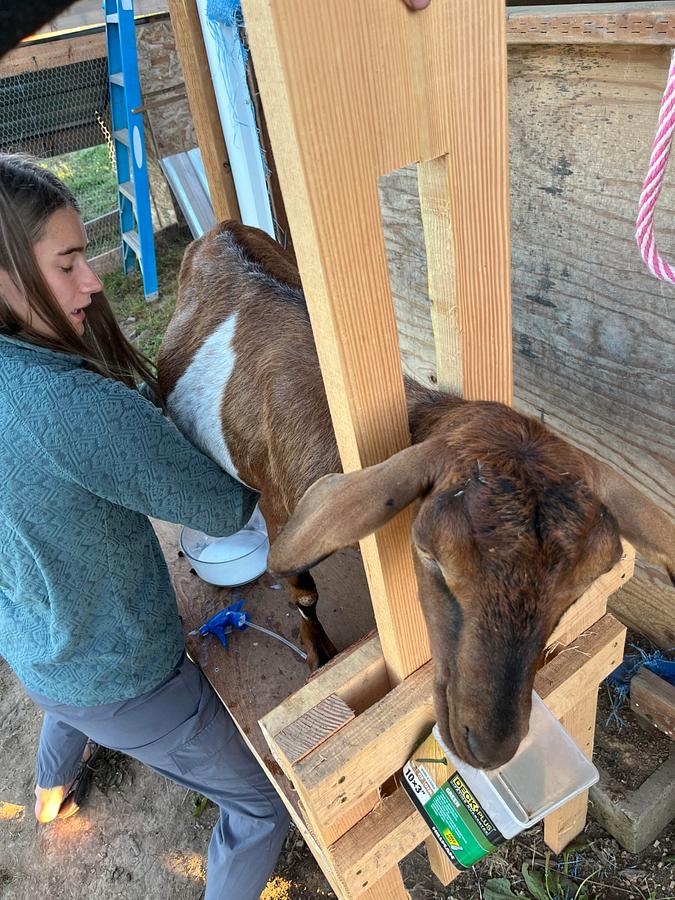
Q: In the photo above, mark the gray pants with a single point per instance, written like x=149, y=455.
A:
x=181, y=730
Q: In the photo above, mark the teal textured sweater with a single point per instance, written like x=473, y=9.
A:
x=87, y=611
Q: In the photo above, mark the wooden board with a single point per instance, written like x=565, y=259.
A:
x=646, y=605
x=652, y=699
x=592, y=330
x=202, y=100
x=394, y=827
x=257, y=672
x=38, y=55
x=592, y=23
x=566, y=823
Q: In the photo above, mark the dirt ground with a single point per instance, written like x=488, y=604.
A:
x=138, y=838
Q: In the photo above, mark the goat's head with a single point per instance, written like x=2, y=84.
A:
x=513, y=524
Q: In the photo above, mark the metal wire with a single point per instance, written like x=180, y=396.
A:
x=62, y=116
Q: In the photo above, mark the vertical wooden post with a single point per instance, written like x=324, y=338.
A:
x=464, y=202
x=202, y=100
x=563, y=825
x=353, y=90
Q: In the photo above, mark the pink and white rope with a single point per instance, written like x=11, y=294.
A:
x=654, y=182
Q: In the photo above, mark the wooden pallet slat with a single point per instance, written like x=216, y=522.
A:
x=315, y=726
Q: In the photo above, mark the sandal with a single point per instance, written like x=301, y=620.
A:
x=75, y=794
x=80, y=784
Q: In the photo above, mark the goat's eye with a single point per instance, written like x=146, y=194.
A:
x=427, y=559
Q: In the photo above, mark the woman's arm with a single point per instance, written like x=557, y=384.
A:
x=117, y=445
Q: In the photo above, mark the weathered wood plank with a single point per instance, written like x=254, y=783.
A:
x=593, y=331
x=646, y=605
x=312, y=728
x=592, y=23
x=407, y=266
x=653, y=700
x=48, y=54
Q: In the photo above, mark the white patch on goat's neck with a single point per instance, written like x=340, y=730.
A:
x=196, y=401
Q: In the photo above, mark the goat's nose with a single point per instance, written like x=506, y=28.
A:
x=488, y=752
x=478, y=750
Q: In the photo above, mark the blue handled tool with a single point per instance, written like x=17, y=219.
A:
x=226, y=621
x=234, y=617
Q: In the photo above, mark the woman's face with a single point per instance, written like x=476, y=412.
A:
x=60, y=257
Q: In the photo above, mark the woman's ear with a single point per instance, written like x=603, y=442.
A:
x=339, y=510
x=640, y=520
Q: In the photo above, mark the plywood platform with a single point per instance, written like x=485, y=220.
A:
x=257, y=672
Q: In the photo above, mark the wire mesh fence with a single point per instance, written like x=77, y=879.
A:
x=62, y=117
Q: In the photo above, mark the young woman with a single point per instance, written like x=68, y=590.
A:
x=88, y=617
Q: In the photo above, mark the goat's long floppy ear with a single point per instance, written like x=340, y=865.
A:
x=640, y=520
x=339, y=510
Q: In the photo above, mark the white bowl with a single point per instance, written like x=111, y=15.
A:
x=228, y=561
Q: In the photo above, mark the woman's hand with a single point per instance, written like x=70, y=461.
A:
x=417, y=4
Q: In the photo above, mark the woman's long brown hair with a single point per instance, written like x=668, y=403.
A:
x=29, y=195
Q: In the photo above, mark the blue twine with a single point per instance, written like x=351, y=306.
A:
x=227, y=12
x=225, y=621
x=618, y=681
x=571, y=865
x=633, y=662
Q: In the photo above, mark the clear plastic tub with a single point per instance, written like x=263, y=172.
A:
x=228, y=561
x=471, y=810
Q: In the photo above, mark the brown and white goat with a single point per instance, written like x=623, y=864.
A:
x=512, y=525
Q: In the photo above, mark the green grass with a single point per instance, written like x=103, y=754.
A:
x=125, y=294
x=90, y=176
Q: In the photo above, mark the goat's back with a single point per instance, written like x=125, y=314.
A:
x=239, y=371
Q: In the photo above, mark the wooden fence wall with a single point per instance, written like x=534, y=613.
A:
x=593, y=332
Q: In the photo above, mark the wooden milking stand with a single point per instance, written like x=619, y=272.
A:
x=352, y=90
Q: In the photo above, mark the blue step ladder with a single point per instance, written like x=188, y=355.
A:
x=138, y=245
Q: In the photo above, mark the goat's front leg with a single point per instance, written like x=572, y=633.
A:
x=317, y=644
